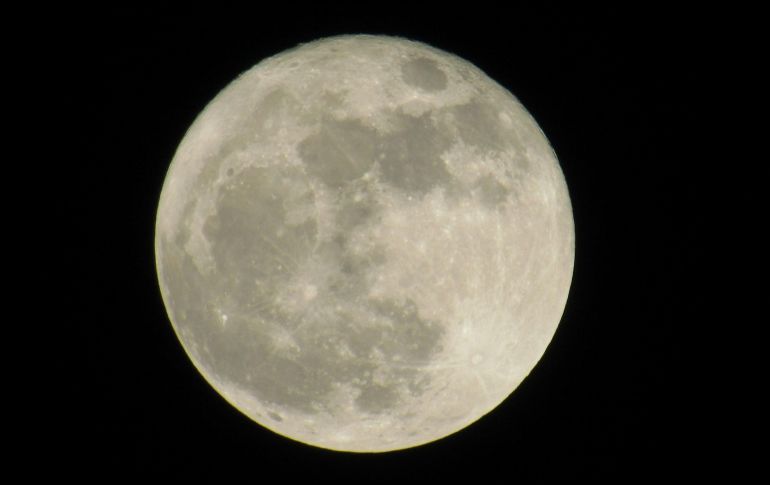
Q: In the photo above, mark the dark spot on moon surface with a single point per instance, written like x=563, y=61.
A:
x=478, y=125
x=275, y=416
x=418, y=385
x=355, y=213
x=405, y=344
x=333, y=100
x=411, y=157
x=253, y=262
x=189, y=288
x=351, y=279
x=230, y=172
x=357, y=205
x=491, y=192
x=341, y=151
x=375, y=398
x=245, y=348
x=424, y=73
x=404, y=336
x=304, y=380
x=248, y=236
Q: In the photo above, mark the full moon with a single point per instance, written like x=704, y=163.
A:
x=364, y=243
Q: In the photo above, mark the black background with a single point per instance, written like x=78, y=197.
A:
x=614, y=92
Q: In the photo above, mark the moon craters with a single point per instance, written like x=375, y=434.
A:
x=364, y=243
x=424, y=73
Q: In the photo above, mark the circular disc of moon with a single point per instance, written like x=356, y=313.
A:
x=364, y=243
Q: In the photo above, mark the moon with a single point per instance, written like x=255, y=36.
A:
x=364, y=243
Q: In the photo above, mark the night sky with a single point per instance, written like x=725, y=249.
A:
x=612, y=90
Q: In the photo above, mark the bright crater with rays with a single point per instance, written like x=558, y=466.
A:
x=364, y=243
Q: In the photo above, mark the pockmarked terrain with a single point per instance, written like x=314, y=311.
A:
x=364, y=243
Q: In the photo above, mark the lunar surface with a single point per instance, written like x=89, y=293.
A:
x=364, y=243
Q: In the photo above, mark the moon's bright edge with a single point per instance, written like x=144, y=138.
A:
x=364, y=243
